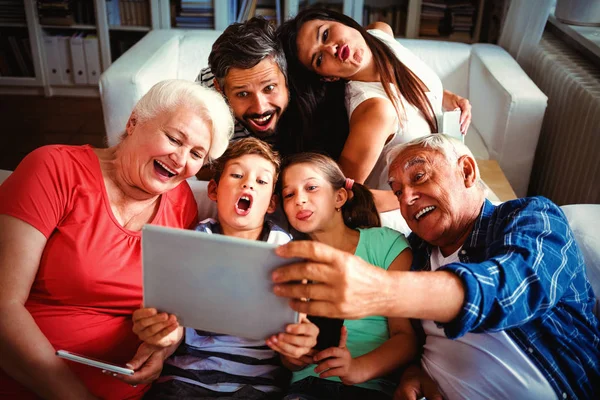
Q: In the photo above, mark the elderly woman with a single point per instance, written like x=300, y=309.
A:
x=70, y=243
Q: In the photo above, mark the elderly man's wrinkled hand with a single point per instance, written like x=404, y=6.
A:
x=343, y=285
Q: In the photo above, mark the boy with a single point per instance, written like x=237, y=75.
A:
x=209, y=365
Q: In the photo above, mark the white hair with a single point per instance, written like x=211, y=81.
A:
x=451, y=148
x=167, y=95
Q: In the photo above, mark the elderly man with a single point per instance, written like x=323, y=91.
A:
x=501, y=291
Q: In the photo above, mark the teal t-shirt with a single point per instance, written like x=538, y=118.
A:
x=379, y=247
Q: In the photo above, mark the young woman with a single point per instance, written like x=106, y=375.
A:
x=320, y=202
x=391, y=96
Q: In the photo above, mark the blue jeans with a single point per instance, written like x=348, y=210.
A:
x=313, y=388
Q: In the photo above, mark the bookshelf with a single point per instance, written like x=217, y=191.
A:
x=39, y=38
x=27, y=56
x=451, y=20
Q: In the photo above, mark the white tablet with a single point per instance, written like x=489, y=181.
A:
x=214, y=282
x=93, y=362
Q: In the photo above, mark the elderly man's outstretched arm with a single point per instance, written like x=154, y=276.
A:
x=348, y=287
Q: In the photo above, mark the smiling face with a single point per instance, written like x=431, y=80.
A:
x=244, y=194
x=309, y=200
x=160, y=153
x=257, y=96
x=434, y=195
x=332, y=49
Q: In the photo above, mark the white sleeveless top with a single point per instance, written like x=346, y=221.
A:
x=414, y=124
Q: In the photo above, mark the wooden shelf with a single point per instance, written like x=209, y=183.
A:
x=71, y=27
x=13, y=25
x=130, y=28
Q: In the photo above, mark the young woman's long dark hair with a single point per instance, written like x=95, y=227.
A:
x=359, y=210
x=312, y=95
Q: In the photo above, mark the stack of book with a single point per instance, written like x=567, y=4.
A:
x=339, y=6
x=56, y=12
x=462, y=14
x=12, y=12
x=128, y=12
x=195, y=15
x=394, y=16
x=434, y=18
x=269, y=10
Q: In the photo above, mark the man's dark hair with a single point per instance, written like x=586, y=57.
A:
x=244, y=45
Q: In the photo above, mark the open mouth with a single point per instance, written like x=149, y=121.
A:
x=243, y=205
x=344, y=53
x=424, y=212
x=263, y=121
x=163, y=170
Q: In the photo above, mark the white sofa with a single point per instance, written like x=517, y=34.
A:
x=507, y=106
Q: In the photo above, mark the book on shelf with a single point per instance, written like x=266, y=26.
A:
x=132, y=12
x=12, y=12
x=394, y=15
x=16, y=58
x=195, y=15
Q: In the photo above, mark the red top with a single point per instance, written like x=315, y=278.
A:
x=90, y=280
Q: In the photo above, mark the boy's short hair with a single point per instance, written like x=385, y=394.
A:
x=243, y=147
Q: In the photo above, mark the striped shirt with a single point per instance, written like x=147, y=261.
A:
x=226, y=363
x=524, y=274
x=206, y=79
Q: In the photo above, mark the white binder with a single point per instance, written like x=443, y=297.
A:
x=78, y=59
x=64, y=58
x=92, y=59
x=52, y=63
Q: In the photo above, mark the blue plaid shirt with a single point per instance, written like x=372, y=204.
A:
x=523, y=273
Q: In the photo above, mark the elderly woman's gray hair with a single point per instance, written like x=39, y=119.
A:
x=451, y=148
x=170, y=94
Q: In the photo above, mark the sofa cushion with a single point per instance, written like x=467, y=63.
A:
x=194, y=49
x=450, y=61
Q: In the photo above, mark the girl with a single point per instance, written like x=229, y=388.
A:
x=320, y=202
x=391, y=96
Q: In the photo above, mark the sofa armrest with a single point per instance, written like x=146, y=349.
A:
x=508, y=109
x=152, y=59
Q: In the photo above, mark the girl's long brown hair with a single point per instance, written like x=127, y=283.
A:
x=391, y=70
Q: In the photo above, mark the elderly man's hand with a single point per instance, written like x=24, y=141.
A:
x=344, y=286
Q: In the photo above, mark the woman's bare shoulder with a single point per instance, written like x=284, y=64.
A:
x=382, y=26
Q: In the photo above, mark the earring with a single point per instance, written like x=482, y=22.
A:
x=337, y=209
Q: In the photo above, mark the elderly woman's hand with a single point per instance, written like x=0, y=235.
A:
x=157, y=329
x=147, y=364
x=452, y=101
x=296, y=342
x=345, y=286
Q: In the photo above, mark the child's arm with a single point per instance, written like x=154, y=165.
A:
x=399, y=349
x=296, y=364
x=295, y=345
x=157, y=329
